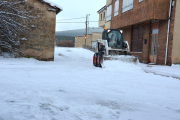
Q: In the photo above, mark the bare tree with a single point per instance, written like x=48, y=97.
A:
x=15, y=22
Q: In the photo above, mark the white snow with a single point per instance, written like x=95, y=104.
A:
x=53, y=4
x=71, y=88
x=24, y=39
x=169, y=71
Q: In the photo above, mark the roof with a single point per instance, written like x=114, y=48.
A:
x=102, y=9
x=57, y=7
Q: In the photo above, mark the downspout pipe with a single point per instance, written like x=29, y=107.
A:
x=169, y=21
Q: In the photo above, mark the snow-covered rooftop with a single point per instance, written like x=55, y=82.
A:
x=52, y=4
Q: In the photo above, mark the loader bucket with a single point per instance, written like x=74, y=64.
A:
x=124, y=58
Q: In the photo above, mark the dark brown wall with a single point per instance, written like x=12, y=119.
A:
x=169, y=60
x=162, y=37
x=146, y=47
x=146, y=35
x=163, y=40
x=141, y=12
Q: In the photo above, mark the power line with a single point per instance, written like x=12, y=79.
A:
x=70, y=22
x=77, y=22
x=71, y=19
x=93, y=21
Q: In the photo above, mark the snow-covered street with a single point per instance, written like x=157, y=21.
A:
x=71, y=88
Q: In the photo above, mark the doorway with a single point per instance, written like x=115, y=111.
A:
x=154, y=45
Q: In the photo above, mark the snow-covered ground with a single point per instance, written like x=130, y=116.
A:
x=168, y=71
x=71, y=88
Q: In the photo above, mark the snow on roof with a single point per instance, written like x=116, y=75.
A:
x=52, y=4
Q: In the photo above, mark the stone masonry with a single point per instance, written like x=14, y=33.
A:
x=41, y=44
x=39, y=40
x=80, y=40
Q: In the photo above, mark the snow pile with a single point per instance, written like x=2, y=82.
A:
x=176, y=66
x=124, y=58
x=71, y=88
x=121, y=66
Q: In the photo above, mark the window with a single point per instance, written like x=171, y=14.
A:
x=109, y=9
x=104, y=16
x=116, y=8
x=140, y=0
x=155, y=31
x=101, y=16
x=115, y=39
x=127, y=5
x=137, y=40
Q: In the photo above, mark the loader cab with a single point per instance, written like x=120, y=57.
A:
x=114, y=38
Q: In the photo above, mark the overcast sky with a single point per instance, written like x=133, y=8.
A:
x=78, y=9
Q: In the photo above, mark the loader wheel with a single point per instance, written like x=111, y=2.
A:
x=98, y=61
x=94, y=60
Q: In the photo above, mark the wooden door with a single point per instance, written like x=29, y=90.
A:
x=154, y=45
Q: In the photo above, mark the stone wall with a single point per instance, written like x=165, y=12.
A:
x=102, y=20
x=79, y=41
x=108, y=24
x=96, y=36
x=41, y=44
x=89, y=39
x=38, y=41
x=108, y=2
x=13, y=25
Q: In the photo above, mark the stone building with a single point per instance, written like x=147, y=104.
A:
x=145, y=25
x=105, y=14
x=39, y=39
x=80, y=40
x=95, y=36
x=41, y=45
x=102, y=16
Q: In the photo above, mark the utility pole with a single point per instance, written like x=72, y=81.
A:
x=86, y=30
x=87, y=26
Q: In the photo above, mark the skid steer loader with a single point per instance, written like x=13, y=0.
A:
x=112, y=46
